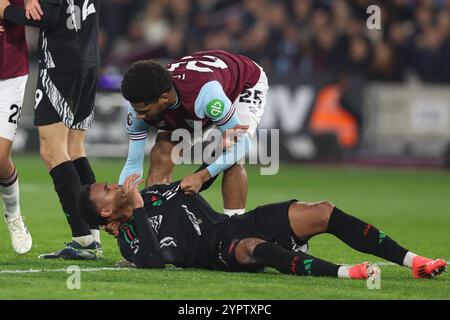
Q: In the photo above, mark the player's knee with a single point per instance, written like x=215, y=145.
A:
x=76, y=152
x=315, y=215
x=160, y=157
x=53, y=152
x=75, y=146
x=244, y=251
x=47, y=149
x=5, y=164
x=4, y=160
x=237, y=167
x=324, y=209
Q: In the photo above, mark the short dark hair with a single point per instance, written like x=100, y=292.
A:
x=86, y=208
x=145, y=81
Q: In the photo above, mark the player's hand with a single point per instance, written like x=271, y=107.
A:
x=231, y=136
x=2, y=29
x=33, y=10
x=130, y=188
x=3, y=5
x=193, y=183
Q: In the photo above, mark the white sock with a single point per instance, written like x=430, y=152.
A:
x=230, y=212
x=407, y=261
x=343, y=272
x=10, y=196
x=96, y=235
x=84, y=241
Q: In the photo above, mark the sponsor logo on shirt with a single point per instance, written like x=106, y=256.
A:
x=215, y=108
x=167, y=242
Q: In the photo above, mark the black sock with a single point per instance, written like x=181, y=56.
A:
x=67, y=185
x=87, y=176
x=291, y=262
x=84, y=170
x=364, y=237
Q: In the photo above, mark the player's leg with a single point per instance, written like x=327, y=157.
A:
x=161, y=164
x=234, y=190
x=77, y=135
x=53, y=117
x=310, y=219
x=249, y=109
x=251, y=252
x=12, y=92
x=9, y=193
x=55, y=154
x=78, y=155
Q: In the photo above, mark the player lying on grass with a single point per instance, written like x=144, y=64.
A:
x=161, y=225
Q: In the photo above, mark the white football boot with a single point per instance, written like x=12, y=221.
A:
x=20, y=237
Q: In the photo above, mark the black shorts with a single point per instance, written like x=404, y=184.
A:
x=67, y=97
x=269, y=222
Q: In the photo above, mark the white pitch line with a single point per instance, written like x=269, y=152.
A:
x=65, y=270
x=380, y=263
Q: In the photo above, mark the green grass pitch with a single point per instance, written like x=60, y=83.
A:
x=413, y=207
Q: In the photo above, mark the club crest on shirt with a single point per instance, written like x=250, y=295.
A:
x=130, y=119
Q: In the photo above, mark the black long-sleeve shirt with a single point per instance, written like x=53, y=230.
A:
x=69, y=33
x=171, y=228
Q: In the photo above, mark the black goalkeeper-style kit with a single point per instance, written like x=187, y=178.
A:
x=71, y=44
x=185, y=231
x=68, y=60
x=69, y=33
x=66, y=87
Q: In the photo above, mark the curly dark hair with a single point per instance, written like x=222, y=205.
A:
x=145, y=81
x=86, y=208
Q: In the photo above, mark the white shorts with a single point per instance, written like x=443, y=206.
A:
x=11, y=99
x=251, y=103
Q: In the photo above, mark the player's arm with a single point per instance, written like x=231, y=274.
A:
x=213, y=103
x=138, y=132
x=149, y=253
x=50, y=8
x=173, y=186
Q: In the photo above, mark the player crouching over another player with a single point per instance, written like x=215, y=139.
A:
x=161, y=225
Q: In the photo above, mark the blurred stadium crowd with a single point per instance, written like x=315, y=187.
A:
x=321, y=49
x=287, y=37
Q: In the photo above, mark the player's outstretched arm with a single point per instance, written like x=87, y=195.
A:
x=18, y=15
x=135, y=159
x=213, y=103
x=138, y=131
